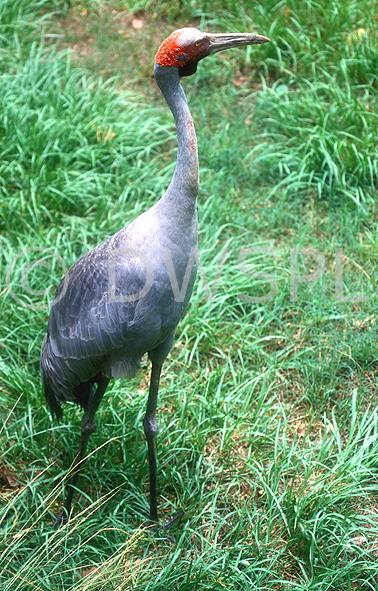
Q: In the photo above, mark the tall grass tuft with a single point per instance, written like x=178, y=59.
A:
x=320, y=139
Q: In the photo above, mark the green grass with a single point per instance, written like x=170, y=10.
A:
x=268, y=416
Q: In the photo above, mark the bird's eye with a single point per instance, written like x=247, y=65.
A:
x=196, y=43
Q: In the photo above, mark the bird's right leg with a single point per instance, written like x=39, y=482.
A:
x=150, y=430
x=88, y=426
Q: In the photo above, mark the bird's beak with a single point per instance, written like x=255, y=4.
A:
x=220, y=41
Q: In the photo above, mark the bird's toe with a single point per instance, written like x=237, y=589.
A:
x=162, y=528
x=61, y=519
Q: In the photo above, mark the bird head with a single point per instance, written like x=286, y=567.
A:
x=184, y=48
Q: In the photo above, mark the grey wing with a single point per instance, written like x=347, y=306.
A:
x=91, y=329
x=91, y=316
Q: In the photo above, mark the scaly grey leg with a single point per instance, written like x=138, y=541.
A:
x=150, y=430
x=88, y=426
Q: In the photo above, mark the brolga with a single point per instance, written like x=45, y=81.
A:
x=125, y=297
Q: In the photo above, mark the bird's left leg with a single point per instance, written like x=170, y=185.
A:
x=88, y=426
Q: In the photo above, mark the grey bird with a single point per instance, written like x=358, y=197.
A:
x=125, y=297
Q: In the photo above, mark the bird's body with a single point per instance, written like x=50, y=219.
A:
x=125, y=297
x=99, y=324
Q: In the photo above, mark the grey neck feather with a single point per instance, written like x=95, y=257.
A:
x=183, y=189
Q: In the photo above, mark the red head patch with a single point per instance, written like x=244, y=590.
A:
x=183, y=46
x=170, y=50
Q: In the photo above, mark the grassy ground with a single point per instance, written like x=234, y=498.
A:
x=268, y=409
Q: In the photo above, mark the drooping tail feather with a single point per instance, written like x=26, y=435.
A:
x=51, y=399
x=60, y=383
x=56, y=379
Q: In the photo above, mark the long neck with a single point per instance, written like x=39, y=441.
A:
x=183, y=189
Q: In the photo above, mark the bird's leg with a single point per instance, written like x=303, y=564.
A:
x=150, y=430
x=88, y=426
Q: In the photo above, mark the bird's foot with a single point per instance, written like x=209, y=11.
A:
x=61, y=519
x=163, y=527
x=173, y=520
